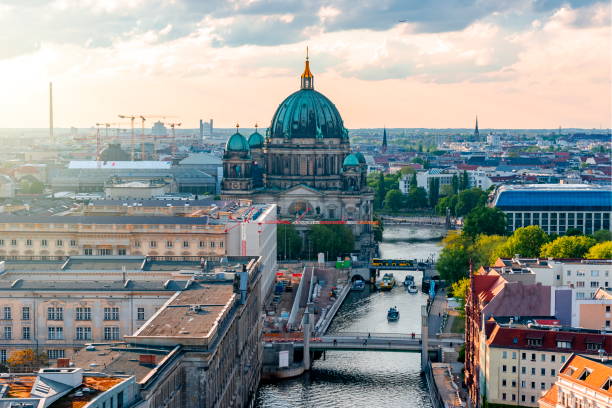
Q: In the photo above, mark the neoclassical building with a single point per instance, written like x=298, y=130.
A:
x=304, y=163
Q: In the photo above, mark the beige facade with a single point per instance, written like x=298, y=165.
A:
x=520, y=377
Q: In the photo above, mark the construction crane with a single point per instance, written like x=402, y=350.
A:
x=143, y=118
x=132, y=141
x=172, y=125
x=98, y=140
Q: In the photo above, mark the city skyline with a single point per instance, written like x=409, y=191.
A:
x=518, y=65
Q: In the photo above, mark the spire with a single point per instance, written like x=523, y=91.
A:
x=384, y=141
x=307, y=79
x=476, y=133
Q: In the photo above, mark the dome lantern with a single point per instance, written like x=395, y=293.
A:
x=307, y=79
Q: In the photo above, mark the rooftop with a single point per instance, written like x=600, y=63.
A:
x=545, y=196
x=92, y=164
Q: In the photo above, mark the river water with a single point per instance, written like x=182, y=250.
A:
x=368, y=379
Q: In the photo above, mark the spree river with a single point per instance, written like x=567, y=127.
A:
x=368, y=379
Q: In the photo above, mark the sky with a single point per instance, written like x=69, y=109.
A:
x=394, y=63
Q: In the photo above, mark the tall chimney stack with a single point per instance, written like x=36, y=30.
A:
x=51, y=138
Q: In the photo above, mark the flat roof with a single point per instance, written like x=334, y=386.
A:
x=89, y=285
x=105, y=219
x=93, y=164
x=553, y=196
x=179, y=319
x=159, y=203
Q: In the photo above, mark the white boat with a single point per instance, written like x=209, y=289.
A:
x=413, y=289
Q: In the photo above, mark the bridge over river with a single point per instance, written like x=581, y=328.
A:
x=406, y=342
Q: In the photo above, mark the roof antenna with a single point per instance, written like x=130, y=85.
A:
x=306, y=53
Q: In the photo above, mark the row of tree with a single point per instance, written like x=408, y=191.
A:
x=482, y=249
x=332, y=240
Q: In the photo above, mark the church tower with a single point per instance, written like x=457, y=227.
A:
x=384, y=141
x=476, y=133
x=237, y=167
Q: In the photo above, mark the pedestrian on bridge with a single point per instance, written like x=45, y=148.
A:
x=365, y=342
x=335, y=342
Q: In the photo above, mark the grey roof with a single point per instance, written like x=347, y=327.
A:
x=160, y=203
x=201, y=159
x=101, y=219
x=92, y=286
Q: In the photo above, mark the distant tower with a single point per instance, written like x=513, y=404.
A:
x=201, y=130
x=476, y=133
x=51, y=138
x=384, y=142
x=211, y=127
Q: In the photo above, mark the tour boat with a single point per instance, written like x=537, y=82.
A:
x=388, y=282
x=413, y=289
x=393, y=314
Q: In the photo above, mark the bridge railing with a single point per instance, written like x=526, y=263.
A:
x=365, y=335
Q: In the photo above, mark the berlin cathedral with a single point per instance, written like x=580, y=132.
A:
x=304, y=164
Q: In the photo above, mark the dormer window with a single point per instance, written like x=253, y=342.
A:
x=607, y=384
x=534, y=342
x=564, y=344
x=585, y=374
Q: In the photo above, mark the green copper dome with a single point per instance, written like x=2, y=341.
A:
x=237, y=143
x=360, y=157
x=307, y=114
x=350, y=160
x=256, y=140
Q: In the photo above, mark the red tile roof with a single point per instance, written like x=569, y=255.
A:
x=506, y=337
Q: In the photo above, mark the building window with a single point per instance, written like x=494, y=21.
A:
x=105, y=251
x=553, y=372
x=504, y=396
x=136, y=244
x=514, y=355
x=513, y=397
x=533, y=398
x=88, y=251
x=552, y=358
x=580, y=295
x=141, y=313
x=514, y=369
x=111, y=333
x=43, y=243
x=83, y=333
x=28, y=242
x=564, y=345
x=1, y=242
x=543, y=357
x=542, y=386
x=55, y=333
x=522, y=398
x=153, y=244
x=532, y=370
x=83, y=313
x=563, y=359
x=607, y=323
x=513, y=384
x=25, y=332
x=3, y=355
x=542, y=371
x=534, y=343
x=523, y=370
x=202, y=244
x=7, y=315
x=55, y=354
x=503, y=383
x=523, y=383
x=504, y=369
x=212, y=244
x=533, y=385
x=504, y=354
x=595, y=284
x=220, y=244
x=13, y=242
x=55, y=313
x=169, y=244
x=73, y=243
x=185, y=244
x=111, y=313
x=59, y=243
x=121, y=251
x=25, y=313
x=523, y=356
x=533, y=357
x=8, y=332
x=593, y=346
x=607, y=309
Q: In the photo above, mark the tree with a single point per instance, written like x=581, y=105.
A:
x=484, y=249
x=333, y=240
x=459, y=290
x=434, y=192
x=378, y=229
x=446, y=190
x=464, y=181
x=455, y=184
x=572, y=232
x=602, y=235
x=417, y=198
x=485, y=220
x=413, y=181
x=288, y=241
x=26, y=359
x=567, y=247
x=467, y=200
x=453, y=263
x=394, y=200
x=525, y=241
x=603, y=250
x=379, y=191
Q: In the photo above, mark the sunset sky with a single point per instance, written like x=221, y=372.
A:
x=515, y=63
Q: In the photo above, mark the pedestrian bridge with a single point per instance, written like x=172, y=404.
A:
x=400, y=264
x=406, y=342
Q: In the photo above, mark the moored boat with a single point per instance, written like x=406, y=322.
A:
x=387, y=282
x=408, y=280
x=358, y=285
x=413, y=288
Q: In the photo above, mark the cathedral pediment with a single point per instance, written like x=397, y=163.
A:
x=302, y=190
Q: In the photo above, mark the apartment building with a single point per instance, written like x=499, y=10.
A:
x=522, y=356
x=583, y=381
x=555, y=207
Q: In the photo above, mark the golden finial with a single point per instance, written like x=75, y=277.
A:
x=307, y=77
x=237, y=127
x=256, y=126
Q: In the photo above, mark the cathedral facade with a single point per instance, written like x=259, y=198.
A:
x=303, y=163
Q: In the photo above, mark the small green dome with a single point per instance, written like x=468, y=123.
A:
x=237, y=143
x=351, y=160
x=360, y=157
x=256, y=140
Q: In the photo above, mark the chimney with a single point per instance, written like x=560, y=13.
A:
x=63, y=362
